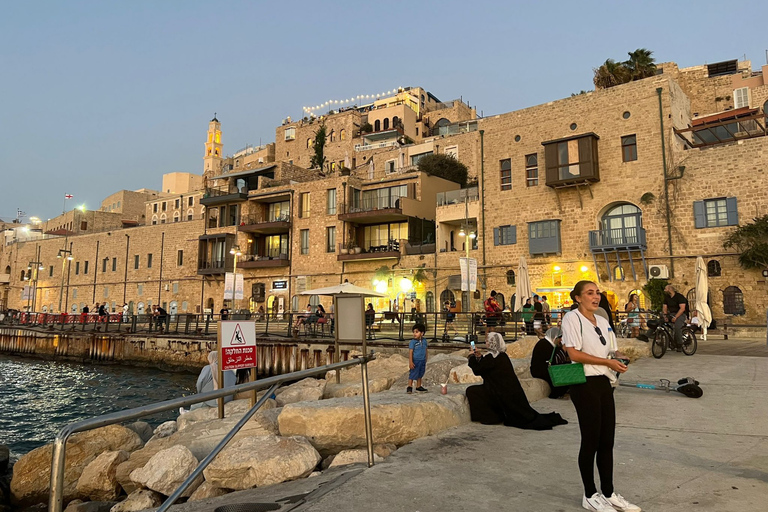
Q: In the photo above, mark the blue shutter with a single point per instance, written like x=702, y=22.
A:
x=733, y=211
x=495, y=236
x=512, y=234
x=699, y=214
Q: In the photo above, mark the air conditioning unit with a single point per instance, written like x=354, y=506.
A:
x=658, y=272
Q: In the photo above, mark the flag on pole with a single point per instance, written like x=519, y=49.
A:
x=68, y=196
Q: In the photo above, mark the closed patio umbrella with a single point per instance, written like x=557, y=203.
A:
x=523, y=285
x=702, y=291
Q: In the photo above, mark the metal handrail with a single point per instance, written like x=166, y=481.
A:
x=56, y=499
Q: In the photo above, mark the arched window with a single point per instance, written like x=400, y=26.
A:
x=295, y=303
x=620, y=224
x=332, y=136
x=342, y=134
x=713, y=268
x=377, y=126
x=733, y=301
x=395, y=122
x=386, y=123
x=162, y=219
x=8, y=269
x=500, y=299
x=618, y=273
x=511, y=277
x=446, y=295
x=309, y=143
x=190, y=214
x=440, y=124
x=154, y=220
x=22, y=276
x=176, y=217
x=430, y=302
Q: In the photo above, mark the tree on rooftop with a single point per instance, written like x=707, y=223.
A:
x=318, y=159
x=640, y=64
x=751, y=240
x=444, y=166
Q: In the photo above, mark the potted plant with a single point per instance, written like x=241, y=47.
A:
x=344, y=249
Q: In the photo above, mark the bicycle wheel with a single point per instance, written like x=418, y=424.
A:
x=659, y=343
x=689, y=342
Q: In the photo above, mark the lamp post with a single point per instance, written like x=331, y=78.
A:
x=235, y=251
x=37, y=266
x=469, y=236
x=65, y=255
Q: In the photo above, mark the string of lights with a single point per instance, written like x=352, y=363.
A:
x=350, y=101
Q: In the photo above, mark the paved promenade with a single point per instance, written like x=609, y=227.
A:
x=672, y=453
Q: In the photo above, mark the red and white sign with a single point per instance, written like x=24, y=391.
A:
x=237, y=339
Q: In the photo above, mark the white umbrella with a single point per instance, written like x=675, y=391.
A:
x=346, y=160
x=523, y=285
x=702, y=291
x=344, y=289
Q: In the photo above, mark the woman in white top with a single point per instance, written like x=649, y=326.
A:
x=589, y=340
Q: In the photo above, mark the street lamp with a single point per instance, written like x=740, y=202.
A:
x=235, y=251
x=37, y=266
x=65, y=255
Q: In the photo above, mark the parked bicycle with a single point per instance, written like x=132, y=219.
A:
x=662, y=335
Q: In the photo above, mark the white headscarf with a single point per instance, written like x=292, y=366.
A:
x=552, y=334
x=213, y=359
x=494, y=342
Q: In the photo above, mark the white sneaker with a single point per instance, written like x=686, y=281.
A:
x=597, y=503
x=618, y=502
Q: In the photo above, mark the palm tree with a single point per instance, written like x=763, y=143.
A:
x=641, y=64
x=610, y=74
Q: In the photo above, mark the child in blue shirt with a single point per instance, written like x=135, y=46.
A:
x=417, y=357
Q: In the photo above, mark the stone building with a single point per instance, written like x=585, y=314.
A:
x=616, y=185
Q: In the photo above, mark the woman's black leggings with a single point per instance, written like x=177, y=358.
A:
x=597, y=422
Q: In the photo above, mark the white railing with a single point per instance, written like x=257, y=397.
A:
x=367, y=147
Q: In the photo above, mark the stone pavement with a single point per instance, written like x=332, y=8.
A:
x=672, y=453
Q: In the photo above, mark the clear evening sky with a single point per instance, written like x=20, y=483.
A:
x=97, y=97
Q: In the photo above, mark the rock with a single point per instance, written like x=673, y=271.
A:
x=140, y=499
x=138, y=459
x=437, y=372
x=443, y=356
x=383, y=367
x=463, y=375
x=535, y=389
x=90, y=506
x=522, y=367
x=259, y=461
x=397, y=418
x=333, y=390
x=302, y=391
x=235, y=407
x=99, y=481
x=142, y=428
x=522, y=348
x=5, y=456
x=634, y=349
x=31, y=474
x=165, y=429
x=205, y=491
x=166, y=470
x=356, y=456
x=462, y=353
x=384, y=450
x=315, y=473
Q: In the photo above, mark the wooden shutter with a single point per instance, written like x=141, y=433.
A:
x=732, y=210
x=550, y=162
x=586, y=162
x=495, y=236
x=699, y=214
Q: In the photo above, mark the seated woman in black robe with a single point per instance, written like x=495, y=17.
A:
x=500, y=398
x=541, y=355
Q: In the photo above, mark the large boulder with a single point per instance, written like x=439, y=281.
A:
x=302, y=391
x=205, y=491
x=99, y=479
x=32, y=473
x=383, y=367
x=165, y=429
x=634, y=349
x=346, y=389
x=437, y=372
x=522, y=348
x=233, y=408
x=140, y=499
x=397, y=418
x=90, y=506
x=138, y=459
x=142, y=428
x=166, y=470
x=463, y=375
x=259, y=461
x=535, y=389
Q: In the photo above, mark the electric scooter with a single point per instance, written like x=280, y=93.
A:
x=687, y=386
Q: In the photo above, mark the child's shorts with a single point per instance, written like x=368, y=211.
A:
x=419, y=367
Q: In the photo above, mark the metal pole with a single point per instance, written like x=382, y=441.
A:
x=95, y=271
x=160, y=280
x=666, y=186
x=221, y=373
x=125, y=277
x=367, y=412
x=69, y=270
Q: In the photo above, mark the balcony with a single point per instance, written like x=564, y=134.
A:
x=458, y=196
x=379, y=145
x=572, y=161
x=377, y=250
x=625, y=239
x=255, y=261
x=742, y=123
x=208, y=268
x=277, y=225
x=374, y=210
x=217, y=196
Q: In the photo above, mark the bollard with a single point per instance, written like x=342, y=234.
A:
x=367, y=412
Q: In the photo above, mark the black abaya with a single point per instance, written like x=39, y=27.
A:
x=501, y=399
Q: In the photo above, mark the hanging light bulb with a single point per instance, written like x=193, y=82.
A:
x=461, y=232
x=473, y=235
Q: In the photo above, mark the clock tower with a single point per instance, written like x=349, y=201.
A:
x=212, y=159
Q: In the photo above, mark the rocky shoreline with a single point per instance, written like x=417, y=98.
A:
x=308, y=427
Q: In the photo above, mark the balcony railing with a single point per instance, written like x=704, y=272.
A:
x=257, y=261
x=621, y=238
x=367, y=147
x=370, y=204
x=372, y=250
x=458, y=196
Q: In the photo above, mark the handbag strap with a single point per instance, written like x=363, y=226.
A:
x=554, y=349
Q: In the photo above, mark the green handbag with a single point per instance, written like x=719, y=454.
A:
x=566, y=374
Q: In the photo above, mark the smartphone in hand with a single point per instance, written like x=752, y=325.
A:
x=472, y=345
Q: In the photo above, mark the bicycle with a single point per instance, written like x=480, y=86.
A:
x=664, y=335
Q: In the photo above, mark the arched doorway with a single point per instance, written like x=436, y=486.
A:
x=430, y=299
x=733, y=301
x=447, y=296
x=620, y=224
x=642, y=298
x=439, y=124
x=500, y=300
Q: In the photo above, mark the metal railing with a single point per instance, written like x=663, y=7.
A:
x=367, y=147
x=56, y=499
x=458, y=196
x=619, y=237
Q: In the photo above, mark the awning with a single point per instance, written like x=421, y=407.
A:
x=249, y=172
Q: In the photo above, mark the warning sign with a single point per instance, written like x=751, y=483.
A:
x=237, y=339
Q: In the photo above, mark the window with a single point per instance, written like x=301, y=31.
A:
x=332, y=136
x=175, y=288
x=179, y=258
x=389, y=167
x=511, y=277
x=330, y=238
x=106, y=292
x=276, y=246
x=618, y=273
x=377, y=126
x=505, y=235
x=165, y=206
x=506, y=174
x=149, y=260
x=304, y=241
x=154, y=208
x=176, y=216
x=279, y=211
x=629, y=148
x=114, y=264
x=77, y=268
x=50, y=271
x=741, y=97
x=544, y=237
x=531, y=170
x=733, y=301
x=177, y=204
x=154, y=220
x=191, y=201
x=85, y=268
x=342, y=134
x=136, y=262
x=104, y=264
x=713, y=268
x=383, y=236
x=190, y=214
x=416, y=158
x=74, y=293
x=139, y=290
x=330, y=200
x=304, y=205
x=712, y=213
x=290, y=133
x=309, y=143
x=162, y=218
x=84, y=225
x=386, y=123
x=573, y=160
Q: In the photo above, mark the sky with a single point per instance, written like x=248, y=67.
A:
x=97, y=97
